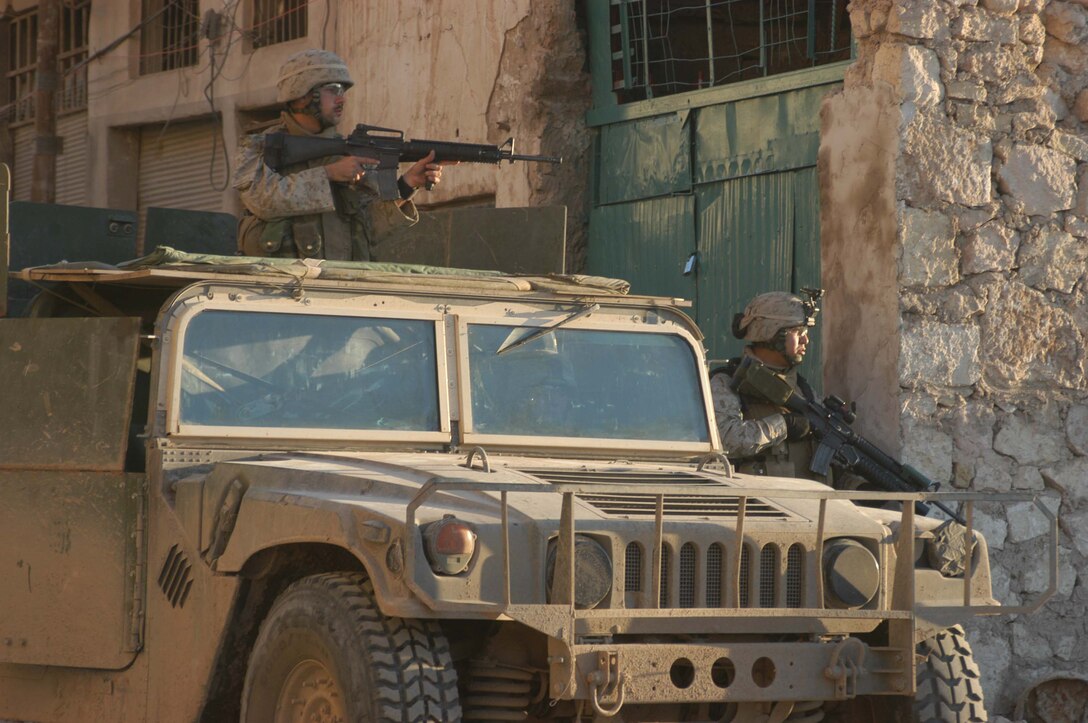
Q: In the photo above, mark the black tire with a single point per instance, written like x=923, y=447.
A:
x=325, y=652
x=949, y=686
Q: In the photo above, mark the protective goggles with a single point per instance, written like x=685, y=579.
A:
x=337, y=89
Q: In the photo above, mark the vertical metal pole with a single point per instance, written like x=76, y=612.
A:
x=762, y=39
x=810, y=45
x=5, y=237
x=968, y=551
x=564, y=558
x=659, y=550
x=742, y=505
x=506, y=548
x=710, y=41
x=821, y=527
x=43, y=185
x=646, y=49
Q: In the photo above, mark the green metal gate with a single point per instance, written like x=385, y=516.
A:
x=733, y=182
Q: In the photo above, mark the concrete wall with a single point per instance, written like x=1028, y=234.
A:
x=475, y=72
x=955, y=249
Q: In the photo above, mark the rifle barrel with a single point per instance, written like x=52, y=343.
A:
x=539, y=159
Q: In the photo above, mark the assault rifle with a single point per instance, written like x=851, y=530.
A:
x=390, y=148
x=837, y=441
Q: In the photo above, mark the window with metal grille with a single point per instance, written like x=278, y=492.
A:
x=22, y=60
x=22, y=63
x=795, y=559
x=663, y=47
x=714, y=575
x=75, y=21
x=277, y=21
x=663, y=593
x=745, y=576
x=170, y=38
x=632, y=568
x=687, y=575
x=768, y=576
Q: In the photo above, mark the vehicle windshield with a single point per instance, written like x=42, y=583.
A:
x=251, y=369
x=585, y=383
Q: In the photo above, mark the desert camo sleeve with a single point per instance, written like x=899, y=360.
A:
x=742, y=437
x=269, y=195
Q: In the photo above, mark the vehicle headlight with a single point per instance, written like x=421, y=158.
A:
x=449, y=544
x=851, y=574
x=592, y=572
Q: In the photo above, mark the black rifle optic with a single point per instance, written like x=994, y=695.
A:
x=837, y=441
x=389, y=148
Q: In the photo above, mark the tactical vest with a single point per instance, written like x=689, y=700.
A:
x=341, y=234
x=786, y=458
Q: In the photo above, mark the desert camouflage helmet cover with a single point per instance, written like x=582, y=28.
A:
x=309, y=68
x=767, y=313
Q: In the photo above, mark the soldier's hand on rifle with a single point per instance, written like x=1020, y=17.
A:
x=797, y=426
x=425, y=172
x=349, y=169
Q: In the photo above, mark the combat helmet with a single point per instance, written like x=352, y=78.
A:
x=307, y=69
x=767, y=315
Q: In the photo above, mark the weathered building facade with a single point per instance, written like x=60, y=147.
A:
x=157, y=93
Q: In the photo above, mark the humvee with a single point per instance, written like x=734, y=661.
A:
x=282, y=490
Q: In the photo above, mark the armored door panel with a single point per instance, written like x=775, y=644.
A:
x=68, y=549
x=647, y=243
x=68, y=387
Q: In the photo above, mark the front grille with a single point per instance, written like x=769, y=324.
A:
x=713, y=588
x=687, y=575
x=714, y=576
x=768, y=576
x=632, y=568
x=794, y=570
x=635, y=504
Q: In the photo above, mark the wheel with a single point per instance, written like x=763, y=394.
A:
x=949, y=688
x=326, y=653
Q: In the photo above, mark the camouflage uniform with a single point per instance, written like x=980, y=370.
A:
x=753, y=431
x=299, y=212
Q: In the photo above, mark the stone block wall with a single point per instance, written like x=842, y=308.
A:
x=954, y=183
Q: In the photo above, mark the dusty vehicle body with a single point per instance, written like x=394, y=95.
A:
x=528, y=524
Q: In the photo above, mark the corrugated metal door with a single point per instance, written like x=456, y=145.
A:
x=177, y=168
x=649, y=240
x=72, y=164
x=740, y=178
x=22, y=174
x=755, y=234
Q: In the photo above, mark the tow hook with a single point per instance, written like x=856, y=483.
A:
x=607, y=683
x=846, y=662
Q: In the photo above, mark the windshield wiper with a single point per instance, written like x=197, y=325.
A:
x=584, y=311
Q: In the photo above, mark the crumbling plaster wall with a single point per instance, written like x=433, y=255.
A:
x=960, y=276
x=481, y=73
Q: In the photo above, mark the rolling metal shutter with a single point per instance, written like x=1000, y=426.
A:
x=72, y=164
x=24, y=163
x=177, y=169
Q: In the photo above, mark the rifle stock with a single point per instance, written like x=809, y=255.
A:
x=389, y=148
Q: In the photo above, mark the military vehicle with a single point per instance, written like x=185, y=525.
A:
x=284, y=490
